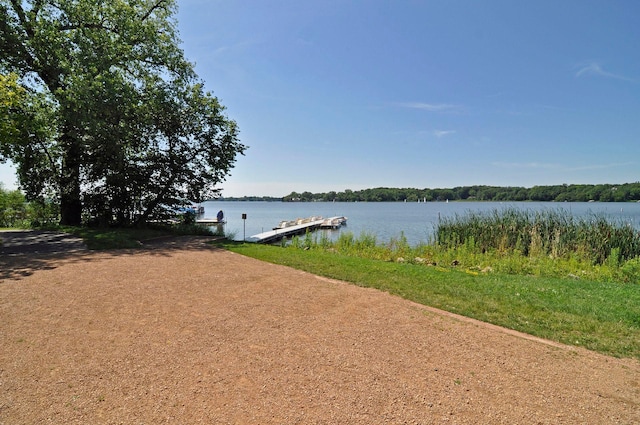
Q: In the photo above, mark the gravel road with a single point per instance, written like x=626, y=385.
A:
x=185, y=333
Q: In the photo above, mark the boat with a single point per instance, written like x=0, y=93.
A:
x=193, y=209
x=284, y=224
x=334, y=222
x=297, y=222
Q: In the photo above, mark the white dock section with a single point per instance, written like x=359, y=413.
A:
x=286, y=229
x=209, y=221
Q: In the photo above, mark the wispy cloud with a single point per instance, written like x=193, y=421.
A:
x=442, y=133
x=303, y=42
x=241, y=45
x=594, y=69
x=556, y=166
x=539, y=165
x=431, y=107
x=602, y=166
x=497, y=94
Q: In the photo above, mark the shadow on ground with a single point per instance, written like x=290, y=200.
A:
x=24, y=252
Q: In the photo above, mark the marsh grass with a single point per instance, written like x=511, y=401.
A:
x=552, y=233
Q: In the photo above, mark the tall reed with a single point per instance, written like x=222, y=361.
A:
x=553, y=233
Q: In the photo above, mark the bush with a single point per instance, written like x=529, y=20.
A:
x=13, y=208
x=188, y=218
x=630, y=270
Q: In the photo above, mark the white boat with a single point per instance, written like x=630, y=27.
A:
x=334, y=222
x=285, y=223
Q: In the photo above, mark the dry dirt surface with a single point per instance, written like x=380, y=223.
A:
x=183, y=333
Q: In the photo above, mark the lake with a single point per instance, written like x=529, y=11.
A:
x=388, y=220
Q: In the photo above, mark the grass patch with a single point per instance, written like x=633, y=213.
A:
x=601, y=316
x=121, y=238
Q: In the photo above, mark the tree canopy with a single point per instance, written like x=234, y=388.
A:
x=571, y=193
x=106, y=114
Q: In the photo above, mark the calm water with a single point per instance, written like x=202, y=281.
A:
x=389, y=219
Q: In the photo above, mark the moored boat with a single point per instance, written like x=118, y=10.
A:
x=334, y=222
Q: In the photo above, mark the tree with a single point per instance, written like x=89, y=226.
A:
x=13, y=207
x=26, y=128
x=114, y=120
x=11, y=97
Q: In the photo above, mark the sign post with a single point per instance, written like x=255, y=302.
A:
x=244, y=227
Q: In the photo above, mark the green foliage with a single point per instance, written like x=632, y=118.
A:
x=188, y=218
x=560, y=193
x=15, y=211
x=631, y=270
x=12, y=96
x=551, y=233
x=13, y=208
x=43, y=213
x=105, y=113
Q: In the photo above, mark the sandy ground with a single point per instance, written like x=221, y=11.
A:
x=182, y=333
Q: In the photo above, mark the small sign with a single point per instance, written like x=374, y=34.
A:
x=244, y=226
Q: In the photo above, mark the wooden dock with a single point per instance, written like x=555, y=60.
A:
x=209, y=221
x=296, y=227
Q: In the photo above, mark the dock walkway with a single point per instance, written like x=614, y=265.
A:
x=301, y=226
x=209, y=221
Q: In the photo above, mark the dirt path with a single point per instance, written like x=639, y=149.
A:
x=189, y=334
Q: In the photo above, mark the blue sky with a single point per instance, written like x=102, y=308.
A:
x=335, y=95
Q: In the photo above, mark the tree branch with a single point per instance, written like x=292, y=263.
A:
x=16, y=37
x=158, y=5
x=17, y=7
x=52, y=163
x=83, y=26
x=36, y=8
x=26, y=24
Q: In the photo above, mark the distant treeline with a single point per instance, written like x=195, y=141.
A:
x=626, y=192
x=250, y=198
x=567, y=192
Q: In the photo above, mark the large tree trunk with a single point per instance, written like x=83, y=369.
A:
x=70, y=202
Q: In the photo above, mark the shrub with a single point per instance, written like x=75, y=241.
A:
x=630, y=270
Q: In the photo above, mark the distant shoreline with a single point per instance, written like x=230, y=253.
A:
x=626, y=192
